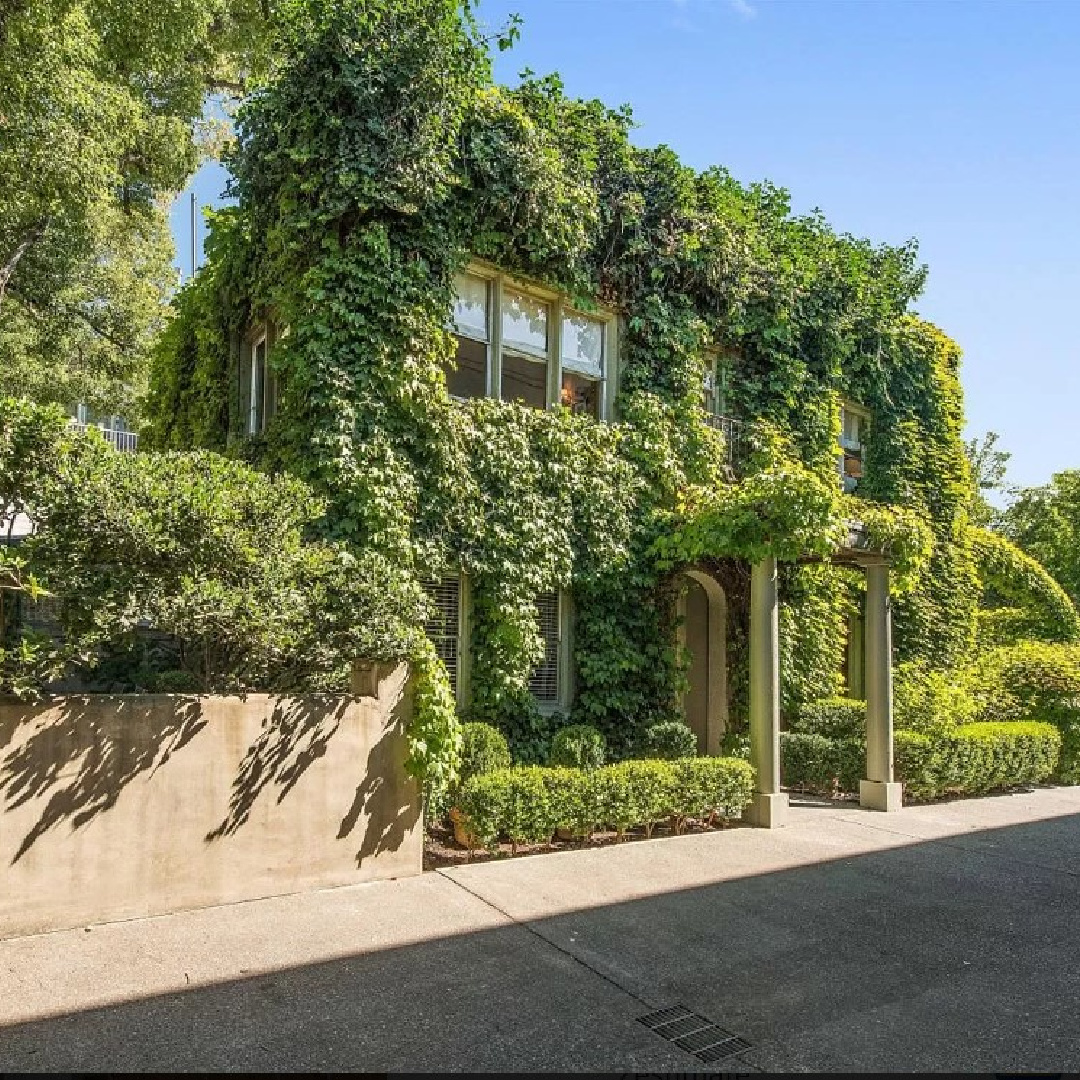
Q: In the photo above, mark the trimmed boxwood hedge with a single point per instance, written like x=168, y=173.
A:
x=963, y=759
x=975, y=758
x=1035, y=681
x=817, y=763
x=834, y=717
x=527, y=804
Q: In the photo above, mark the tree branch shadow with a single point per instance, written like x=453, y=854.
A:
x=293, y=737
x=109, y=750
x=385, y=795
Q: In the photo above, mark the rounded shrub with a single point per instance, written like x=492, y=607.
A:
x=1038, y=681
x=928, y=701
x=483, y=749
x=175, y=681
x=669, y=741
x=578, y=746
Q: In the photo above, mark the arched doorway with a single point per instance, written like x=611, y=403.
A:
x=703, y=631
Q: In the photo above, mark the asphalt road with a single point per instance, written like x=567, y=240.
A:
x=938, y=938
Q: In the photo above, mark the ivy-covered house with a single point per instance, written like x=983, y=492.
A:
x=653, y=445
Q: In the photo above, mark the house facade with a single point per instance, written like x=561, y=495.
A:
x=620, y=419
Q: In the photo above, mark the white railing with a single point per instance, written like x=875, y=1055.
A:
x=118, y=440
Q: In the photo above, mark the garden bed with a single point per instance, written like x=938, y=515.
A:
x=441, y=850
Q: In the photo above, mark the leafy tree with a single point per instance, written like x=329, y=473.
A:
x=1045, y=522
x=989, y=467
x=100, y=119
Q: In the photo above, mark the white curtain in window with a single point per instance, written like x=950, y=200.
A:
x=524, y=323
x=583, y=345
x=471, y=306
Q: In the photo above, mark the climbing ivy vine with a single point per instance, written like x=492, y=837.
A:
x=376, y=162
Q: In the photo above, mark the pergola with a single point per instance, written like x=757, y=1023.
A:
x=878, y=790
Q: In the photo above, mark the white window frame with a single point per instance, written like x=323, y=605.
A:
x=257, y=403
x=862, y=415
x=464, y=666
x=564, y=675
x=605, y=322
x=717, y=382
x=498, y=282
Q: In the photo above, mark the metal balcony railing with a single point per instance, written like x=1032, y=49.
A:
x=734, y=432
x=118, y=440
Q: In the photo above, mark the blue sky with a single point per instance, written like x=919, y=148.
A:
x=953, y=122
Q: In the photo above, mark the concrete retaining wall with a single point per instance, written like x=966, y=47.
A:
x=117, y=806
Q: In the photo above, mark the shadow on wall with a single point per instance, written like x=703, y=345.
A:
x=293, y=737
x=392, y=811
x=105, y=747
x=67, y=760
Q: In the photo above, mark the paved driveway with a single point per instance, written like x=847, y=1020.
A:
x=938, y=938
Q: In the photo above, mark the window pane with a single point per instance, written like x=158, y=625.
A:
x=471, y=306
x=544, y=680
x=580, y=395
x=524, y=380
x=708, y=385
x=442, y=627
x=524, y=322
x=583, y=345
x=258, y=377
x=851, y=429
x=468, y=379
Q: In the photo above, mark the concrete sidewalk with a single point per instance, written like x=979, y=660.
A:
x=938, y=938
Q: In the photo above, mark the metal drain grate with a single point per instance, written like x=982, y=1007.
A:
x=694, y=1034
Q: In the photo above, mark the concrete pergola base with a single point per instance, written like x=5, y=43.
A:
x=875, y=795
x=879, y=791
x=768, y=811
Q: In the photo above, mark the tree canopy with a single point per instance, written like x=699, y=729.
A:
x=100, y=120
x=1045, y=522
x=989, y=470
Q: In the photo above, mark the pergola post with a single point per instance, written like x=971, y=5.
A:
x=879, y=791
x=769, y=808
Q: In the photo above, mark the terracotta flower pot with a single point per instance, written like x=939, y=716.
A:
x=462, y=835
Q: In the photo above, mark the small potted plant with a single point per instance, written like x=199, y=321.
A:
x=483, y=749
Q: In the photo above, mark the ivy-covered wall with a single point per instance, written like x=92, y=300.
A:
x=378, y=160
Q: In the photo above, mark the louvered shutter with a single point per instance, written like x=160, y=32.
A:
x=444, y=625
x=544, y=680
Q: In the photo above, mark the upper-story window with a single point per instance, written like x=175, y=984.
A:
x=582, y=355
x=520, y=343
x=715, y=388
x=468, y=376
x=853, y=421
x=524, y=349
